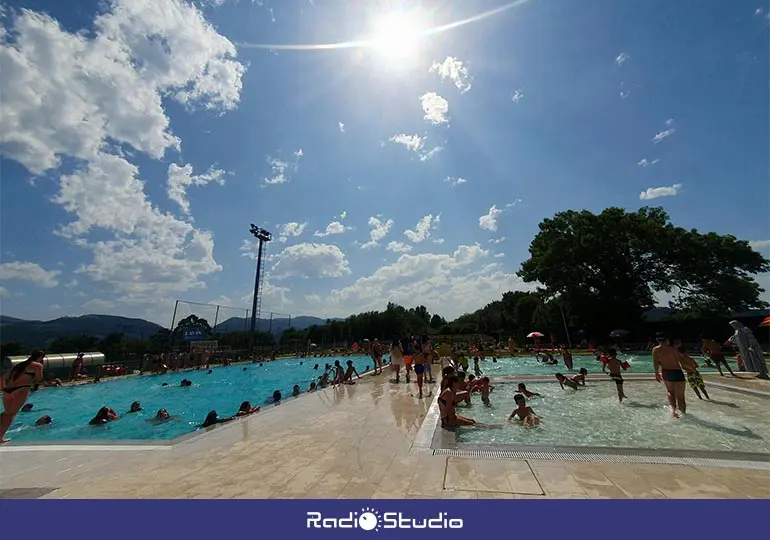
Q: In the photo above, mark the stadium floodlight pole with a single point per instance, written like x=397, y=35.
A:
x=263, y=236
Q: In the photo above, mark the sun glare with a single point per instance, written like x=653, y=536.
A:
x=397, y=36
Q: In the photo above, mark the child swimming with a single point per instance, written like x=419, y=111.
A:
x=525, y=414
x=614, y=366
x=580, y=378
x=522, y=389
x=564, y=381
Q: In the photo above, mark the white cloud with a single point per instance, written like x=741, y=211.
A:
x=310, y=261
x=70, y=93
x=416, y=144
x=455, y=181
x=760, y=244
x=438, y=240
x=663, y=191
x=282, y=169
x=489, y=220
x=423, y=229
x=343, y=215
x=497, y=240
x=666, y=132
x=435, y=107
x=399, y=247
x=621, y=58
x=512, y=204
x=341, y=126
x=450, y=284
x=180, y=178
x=452, y=68
x=27, y=271
x=517, y=96
x=90, y=96
x=379, y=230
x=335, y=227
x=291, y=229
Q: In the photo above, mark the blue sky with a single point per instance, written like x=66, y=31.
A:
x=140, y=138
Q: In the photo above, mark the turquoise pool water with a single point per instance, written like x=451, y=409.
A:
x=529, y=365
x=592, y=417
x=223, y=390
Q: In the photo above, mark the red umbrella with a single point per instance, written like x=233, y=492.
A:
x=765, y=322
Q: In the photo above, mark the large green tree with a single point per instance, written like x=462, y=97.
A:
x=607, y=267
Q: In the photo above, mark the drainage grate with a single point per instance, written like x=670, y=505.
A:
x=602, y=458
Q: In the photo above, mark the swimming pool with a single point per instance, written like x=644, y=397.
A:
x=592, y=417
x=529, y=365
x=71, y=407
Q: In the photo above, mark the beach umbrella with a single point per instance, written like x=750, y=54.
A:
x=535, y=335
x=619, y=333
x=313, y=345
x=765, y=322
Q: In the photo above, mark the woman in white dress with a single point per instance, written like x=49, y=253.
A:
x=396, y=358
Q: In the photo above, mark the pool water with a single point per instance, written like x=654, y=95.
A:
x=591, y=416
x=529, y=365
x=71, y=407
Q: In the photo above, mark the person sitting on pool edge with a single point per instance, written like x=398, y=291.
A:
x=213, y=419
x=522, y=389
x=525, y=414
x=104, y=415
x=348, y=377
x=564, y=381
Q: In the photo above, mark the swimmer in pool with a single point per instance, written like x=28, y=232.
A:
x=295, y=391
x=312, y=387
x=212, y=419
x=525, y=414
x=580, y=378
x=44, y=421
x=246, y=409
x=522, y=389
x=104, y=415
x=161, y=416
x=485, y=388
x=564, y=381
x=613, y=366
x=667, y=361
x=476, y=369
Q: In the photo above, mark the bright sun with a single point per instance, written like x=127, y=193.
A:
x=397, y=36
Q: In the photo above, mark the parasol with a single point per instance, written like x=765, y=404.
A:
x=765, y=322
x=535, y=335
x=619, y=333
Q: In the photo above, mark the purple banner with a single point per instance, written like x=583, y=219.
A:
x=479, y=519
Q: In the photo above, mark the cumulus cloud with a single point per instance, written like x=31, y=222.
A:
x=341, y=126
x=416, y=144
x=451, y=283
x=489, y=220
x=92, y=97
x=291, y=229
x=657, y=192
x=497, y=240
x=398, y=247
x=621, y=58
x=379, y=230
x=644, y=162
x=452, y=68
x=281, y=170
x=335, y=227
x=435, y=107
x=455, y=181
x=180, y=178
x=28, y=271
x=423, y=229
x=310, y=261
x=517, y=96
x=343, y=215
x=760, y=244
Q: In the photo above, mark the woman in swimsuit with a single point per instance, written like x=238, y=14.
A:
x=667, y=361
x=16, y=387
x=446, y=403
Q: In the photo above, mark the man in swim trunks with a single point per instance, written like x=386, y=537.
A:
x=713, y=350
x=667, y=361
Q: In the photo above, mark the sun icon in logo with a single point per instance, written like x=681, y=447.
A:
x=369, y=520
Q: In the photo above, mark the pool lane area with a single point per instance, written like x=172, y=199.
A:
x=530, y=365
x=222, y=390
x=732, y=429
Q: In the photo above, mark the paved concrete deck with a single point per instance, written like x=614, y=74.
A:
x=361, y=441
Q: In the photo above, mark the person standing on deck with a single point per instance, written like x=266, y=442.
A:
x=667, y=361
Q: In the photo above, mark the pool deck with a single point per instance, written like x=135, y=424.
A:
x=362, y=441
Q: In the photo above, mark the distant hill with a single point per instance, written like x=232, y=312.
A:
x=42, y=333
x=276, y=326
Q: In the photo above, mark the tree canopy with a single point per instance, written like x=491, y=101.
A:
x=607, y=267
